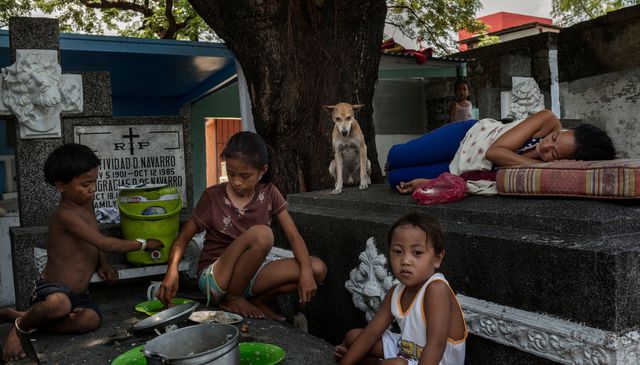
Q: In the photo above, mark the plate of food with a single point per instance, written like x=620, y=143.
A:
x=215, y=317
x=152, y=307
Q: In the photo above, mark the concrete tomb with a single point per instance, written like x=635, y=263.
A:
x=133, y=150
x=540, y=281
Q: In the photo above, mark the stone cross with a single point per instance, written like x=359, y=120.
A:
x=35, y=92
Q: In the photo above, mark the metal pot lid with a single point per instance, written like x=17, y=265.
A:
x=173, y=315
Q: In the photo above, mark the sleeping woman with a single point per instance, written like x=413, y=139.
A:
x=486, y=144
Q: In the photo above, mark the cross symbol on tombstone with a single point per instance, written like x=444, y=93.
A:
x=131, y=136
x=35, y=91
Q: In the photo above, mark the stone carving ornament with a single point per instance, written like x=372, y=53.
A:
x=370, y=281
x=35, y=91
x=548, y=337
x=523, y=100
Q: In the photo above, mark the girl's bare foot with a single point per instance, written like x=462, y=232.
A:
x=9, y=314
x=271, y=314
x=238, y=304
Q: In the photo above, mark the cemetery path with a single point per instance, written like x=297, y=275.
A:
x=112, y=338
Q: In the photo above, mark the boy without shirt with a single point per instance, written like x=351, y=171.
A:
x=75, y=250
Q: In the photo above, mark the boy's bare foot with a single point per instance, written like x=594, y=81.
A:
x=240, y=305
x=12, y=347
x=271, y=314
x=9, y=314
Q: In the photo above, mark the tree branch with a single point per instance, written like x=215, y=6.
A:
x=121, y=5
x=171, y=30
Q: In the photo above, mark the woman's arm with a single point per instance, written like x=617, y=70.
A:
x=307, y=285
x=503, y=151
x=371, y=334
x=437, y=301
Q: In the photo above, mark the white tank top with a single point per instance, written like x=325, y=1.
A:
x=462, y=112
x=413, y=325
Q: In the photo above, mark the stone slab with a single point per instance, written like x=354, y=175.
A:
x=112, y=338
x=96, y=88
x=36, y=198
x=489, y=103
x=33, y=33
x=574, y=259
x=513, y=65
x=71, y=123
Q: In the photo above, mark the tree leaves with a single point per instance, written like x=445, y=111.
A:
x=169, y=19
x=434, y=21
x=569, y=12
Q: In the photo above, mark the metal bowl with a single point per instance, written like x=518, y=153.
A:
x=195, y=345
x=174, y=315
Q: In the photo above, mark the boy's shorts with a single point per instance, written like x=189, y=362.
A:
x=207, y=280
x=391, y=346
x=44, y=288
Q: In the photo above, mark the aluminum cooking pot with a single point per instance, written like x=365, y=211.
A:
x=195, y=345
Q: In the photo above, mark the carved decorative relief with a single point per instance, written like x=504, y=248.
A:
x=35, y=91
x=523, y=100
x=370, y=281
x=40, y=258
x=549, y=337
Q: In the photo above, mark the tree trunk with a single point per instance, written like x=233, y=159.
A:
x=298, y=56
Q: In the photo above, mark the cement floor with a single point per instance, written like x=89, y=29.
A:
x=112, y=338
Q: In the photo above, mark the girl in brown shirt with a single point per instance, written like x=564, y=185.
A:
x=234, y=271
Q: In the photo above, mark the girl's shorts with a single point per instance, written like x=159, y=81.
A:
x=209, y=286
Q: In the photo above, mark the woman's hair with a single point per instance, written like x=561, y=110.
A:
x=592, y=143
x=68, y=161
x=250, y=148
x=425, y=222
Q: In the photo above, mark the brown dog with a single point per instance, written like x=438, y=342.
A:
x=350, y=163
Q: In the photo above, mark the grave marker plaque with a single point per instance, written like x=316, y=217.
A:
x=135, y=154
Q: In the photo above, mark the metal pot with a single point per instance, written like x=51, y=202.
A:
x=195, y=345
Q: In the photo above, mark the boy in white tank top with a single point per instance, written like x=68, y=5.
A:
x=432, y=324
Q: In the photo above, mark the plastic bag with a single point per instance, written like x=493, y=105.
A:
x=444, y=188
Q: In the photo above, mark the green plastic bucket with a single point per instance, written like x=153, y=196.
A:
x=150, y=211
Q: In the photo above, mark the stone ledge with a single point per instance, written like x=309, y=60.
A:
x=596, y=218
x=491, y=255
x=127, y=272
x=112, y=338
x=549, y=337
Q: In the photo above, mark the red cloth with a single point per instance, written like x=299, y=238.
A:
x=479, y=175
x=421, y=56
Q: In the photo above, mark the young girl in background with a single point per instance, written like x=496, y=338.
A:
x=460, y=109
x=234, y=271
x=423, y=304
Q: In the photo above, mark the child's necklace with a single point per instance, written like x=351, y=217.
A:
x=240, y=211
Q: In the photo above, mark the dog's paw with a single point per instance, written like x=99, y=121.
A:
x=337, y=190
x=364, y=186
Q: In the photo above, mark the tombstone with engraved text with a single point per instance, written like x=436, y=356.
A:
x=133, y=155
